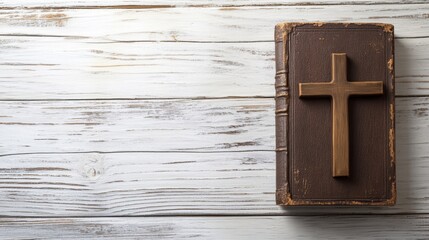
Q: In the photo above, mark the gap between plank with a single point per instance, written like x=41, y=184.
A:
x=193, y=215
x=135, y=99
x=166, y=98
x=412, y=96
x=130, y=41
x=120, y=152
x=155, y=41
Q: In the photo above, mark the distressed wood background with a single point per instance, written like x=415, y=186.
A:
x=155, y=119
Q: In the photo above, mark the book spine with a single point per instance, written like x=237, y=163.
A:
x=391, y=79
x=282, y=111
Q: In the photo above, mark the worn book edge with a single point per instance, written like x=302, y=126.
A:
x=283, y=194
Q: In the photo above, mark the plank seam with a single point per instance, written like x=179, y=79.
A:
x=170, y=99
x=156, y=41
x=218, y=215
x=137, y=99
x=124, y=152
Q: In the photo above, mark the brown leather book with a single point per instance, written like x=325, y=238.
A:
x=335, y=114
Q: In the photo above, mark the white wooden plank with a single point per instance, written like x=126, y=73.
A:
x=62, y=68
x=133, y=125
x=202, y=24
x=291, y=227
x=184, y=3
x=137, y=184
x=70, y=68
x=176, y=183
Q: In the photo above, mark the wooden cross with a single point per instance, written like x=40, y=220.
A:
x=339, y=89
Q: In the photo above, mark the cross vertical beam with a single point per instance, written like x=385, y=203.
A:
x=339, y=89
x=340, y=117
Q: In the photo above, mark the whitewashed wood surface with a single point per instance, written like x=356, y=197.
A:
x=136, y=4
x=267, y=227
x=155, y=119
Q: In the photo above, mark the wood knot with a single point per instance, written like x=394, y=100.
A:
x=93, y=166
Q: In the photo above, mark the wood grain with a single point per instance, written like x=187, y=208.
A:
x=119, y=184
x=137, y=125
x=64, y=68
x=176, y=183
x=118, y=157
x=214, y=24
x=291, y=227
x=137, y=4
x=75, y=54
